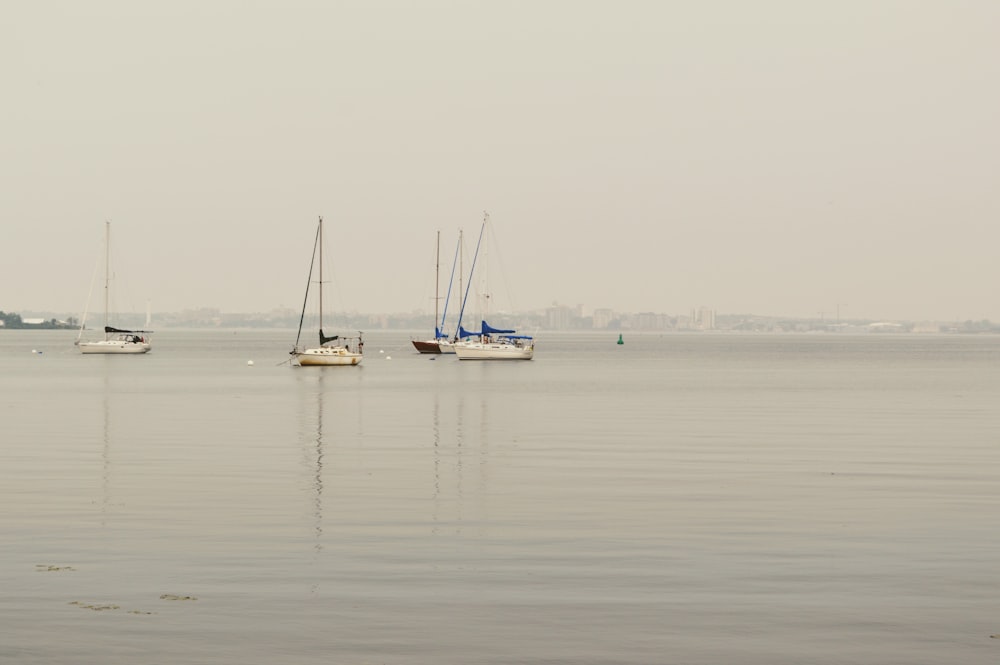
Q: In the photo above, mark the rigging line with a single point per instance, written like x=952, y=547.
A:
x=451, y=280
x=305, y=300
x=472, y=270
x=337, y=313
x=503, y=271
x=90, y=294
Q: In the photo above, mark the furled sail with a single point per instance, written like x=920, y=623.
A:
x=109, y=330
x=489, y=330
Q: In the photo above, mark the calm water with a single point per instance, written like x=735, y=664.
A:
x=679, y=499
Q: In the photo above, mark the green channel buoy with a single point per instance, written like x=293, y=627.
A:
x=620, y=340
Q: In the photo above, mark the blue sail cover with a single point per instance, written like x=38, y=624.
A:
x=463, y=333
x=487, y=330
x=438, y=334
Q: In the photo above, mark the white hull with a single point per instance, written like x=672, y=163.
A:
x=494, y=351
x=114, y=346
x=446, y=347
x=327, y=356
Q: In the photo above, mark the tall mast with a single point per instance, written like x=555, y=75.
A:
x=437, y=282
x=439, y=331
x=107, y=273
x=305, y=298
x=472, y=271
x=461, y=267
x=321, y=278
x=486, y=267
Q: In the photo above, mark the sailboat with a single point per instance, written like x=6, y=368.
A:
x=491, y=343
x=116, y=340
x=440, y=343
x=346, y=350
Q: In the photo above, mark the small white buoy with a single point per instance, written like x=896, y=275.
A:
x=381, y=351
x=34, y=351
x=250, y=362
x=388, y=357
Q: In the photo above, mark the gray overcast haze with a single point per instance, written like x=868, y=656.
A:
x=767, y=157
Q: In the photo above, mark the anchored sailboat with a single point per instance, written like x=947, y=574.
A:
x=347, y=350
x=440, y=343
x=116, y=340
x=491, y=343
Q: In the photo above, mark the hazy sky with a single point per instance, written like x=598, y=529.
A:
x=760, y=157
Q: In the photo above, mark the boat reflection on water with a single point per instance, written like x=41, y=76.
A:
x=106, y=452
x=460, y=446
x=448, y=450
x=312, y=450
x=318, y=471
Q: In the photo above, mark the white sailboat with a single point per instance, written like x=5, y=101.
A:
x=440, y=343
x=116, y=340
x=491, y=343
x=346, y=350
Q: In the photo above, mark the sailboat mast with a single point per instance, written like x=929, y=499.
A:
x=461, y=267
x=472, y=271
x=107, y=273
x=305, y=299
x=321, y=278
x=437, y=281
x=486, y=267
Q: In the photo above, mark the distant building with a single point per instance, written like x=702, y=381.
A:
x=703, y=318
x=885, y=326
x=650, y=321
x=558, y=317
x=603, y=318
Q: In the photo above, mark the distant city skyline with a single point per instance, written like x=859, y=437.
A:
x=556, y=316
x=552, y=320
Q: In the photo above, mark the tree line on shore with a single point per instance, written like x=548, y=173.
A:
x=13, y=321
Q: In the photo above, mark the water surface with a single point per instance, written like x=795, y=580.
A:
x=677, y=499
